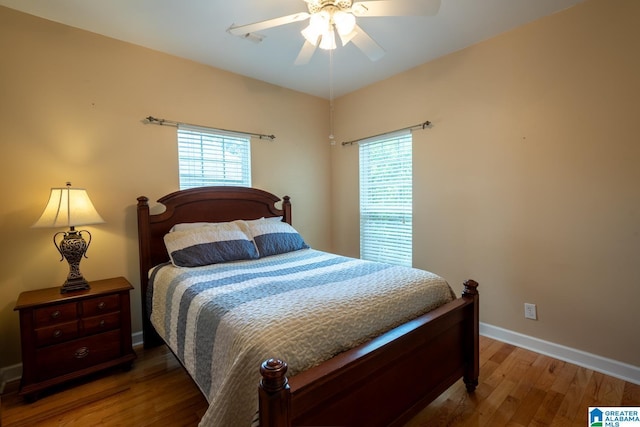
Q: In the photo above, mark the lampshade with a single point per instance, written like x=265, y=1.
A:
x=68, y=207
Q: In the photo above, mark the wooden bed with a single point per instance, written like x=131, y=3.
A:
x=383, y=382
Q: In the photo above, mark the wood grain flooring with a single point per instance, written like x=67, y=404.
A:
x=517, y=388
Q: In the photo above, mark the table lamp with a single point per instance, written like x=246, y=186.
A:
x=70, y=207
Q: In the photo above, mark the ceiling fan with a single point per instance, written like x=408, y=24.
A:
x=328, y=17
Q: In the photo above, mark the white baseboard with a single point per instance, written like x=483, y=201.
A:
x=136, y=339
x=9, y=374
x=591, y=361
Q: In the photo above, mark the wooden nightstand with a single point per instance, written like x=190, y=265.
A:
x=66, y=336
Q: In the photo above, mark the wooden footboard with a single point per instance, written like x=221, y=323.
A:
x=383, y=382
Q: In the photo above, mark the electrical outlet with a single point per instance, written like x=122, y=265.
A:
x=530, y=311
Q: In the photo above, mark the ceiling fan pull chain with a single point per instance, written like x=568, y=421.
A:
x=332, y=139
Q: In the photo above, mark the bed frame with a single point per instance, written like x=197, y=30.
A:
x=383, y=382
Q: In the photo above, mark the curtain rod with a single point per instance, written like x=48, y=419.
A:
x=162, y=122
x=422, y=125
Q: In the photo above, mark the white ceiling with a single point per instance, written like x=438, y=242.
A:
x=196, y=29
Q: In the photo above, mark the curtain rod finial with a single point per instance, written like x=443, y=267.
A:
x=151, y=119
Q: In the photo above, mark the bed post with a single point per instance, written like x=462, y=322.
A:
x=286, y=207
x=274, y=394
x=150, y=337
x=472, y=336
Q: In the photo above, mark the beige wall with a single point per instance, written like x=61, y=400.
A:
x=71, y=106
x=529, y=179
x=527, y=182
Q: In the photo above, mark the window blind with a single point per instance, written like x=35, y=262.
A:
x=386, y=218
x=213, y=157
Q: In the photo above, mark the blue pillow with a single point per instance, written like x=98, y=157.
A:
x=275, y=237
x=212, y=243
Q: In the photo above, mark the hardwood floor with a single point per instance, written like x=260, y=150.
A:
x=517, y=388
x=156, y=391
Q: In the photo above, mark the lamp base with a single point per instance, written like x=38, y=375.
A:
x=72, y=285
x=73, y=247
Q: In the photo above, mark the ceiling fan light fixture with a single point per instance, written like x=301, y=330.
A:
x=345, y=22
x=328, y=40
x=319, y=25
x=311, y=35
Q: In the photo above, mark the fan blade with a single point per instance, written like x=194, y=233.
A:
x=396, y=8
x=346, y=38
x=241, y=30
x=307, y=51
x=367, y=44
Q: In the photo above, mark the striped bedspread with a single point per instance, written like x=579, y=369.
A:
x=304, y=307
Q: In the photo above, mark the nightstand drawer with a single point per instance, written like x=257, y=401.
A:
x=78, y=354
x=97, y=324
x=57, y=333
x=55, y=314
x=104, y=304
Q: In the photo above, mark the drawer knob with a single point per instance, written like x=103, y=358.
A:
x=102, y=323
x=81, y=353
x=57, y=333
x=101, y=305
x=55, y=314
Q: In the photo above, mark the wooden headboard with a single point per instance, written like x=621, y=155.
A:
x=205, y=204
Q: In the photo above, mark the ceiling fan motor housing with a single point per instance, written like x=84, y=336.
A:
x=316, y=6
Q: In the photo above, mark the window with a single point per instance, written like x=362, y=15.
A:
x=386, y=199
x=213, y=157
